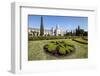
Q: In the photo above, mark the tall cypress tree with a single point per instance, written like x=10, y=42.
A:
x=78, y=30
x=41, y=27
x=78, y=27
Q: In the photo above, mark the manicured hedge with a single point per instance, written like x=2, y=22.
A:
x=59, y=48
x=30, y=38
x=85, y=38
x=45, y=37
x=62, y=50
x=51, y=48
x=80, y=41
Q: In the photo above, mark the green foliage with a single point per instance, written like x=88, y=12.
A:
x=45, y=38
x=59, y=47
x=80, y=40
x=85, y=38
x=46, y=47
x=51, y=48
x=80, y=32
x=36, y=51
x=53, y=41
x=71, y=48
x=76, y=32
x=30, y=38
x=67, y=50
x=62, y=50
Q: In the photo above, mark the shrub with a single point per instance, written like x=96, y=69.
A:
x=61, y=45
x=59, y=48
x=62, y=50
x=51, y=47
x=80, y=40
x=85, y=38
x=71, y=48
x=46, y=37
x=53, y=41
x=67, y=50
x=46, y=47
x=30, y=38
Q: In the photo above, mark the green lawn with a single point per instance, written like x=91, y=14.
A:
x=36, y=51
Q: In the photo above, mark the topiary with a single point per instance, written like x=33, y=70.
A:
x=51, y=48
x=71, y=49
x=62, y=50
x=53, y=41
x=46, y=47
x=67, y=50
x=59, y=48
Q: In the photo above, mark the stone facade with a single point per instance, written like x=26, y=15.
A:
x=52, y=32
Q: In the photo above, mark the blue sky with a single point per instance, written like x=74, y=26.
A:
x=64, y=22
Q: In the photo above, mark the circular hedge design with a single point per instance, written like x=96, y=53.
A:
x=59, y=48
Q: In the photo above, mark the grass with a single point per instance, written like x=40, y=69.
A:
x=36, y=51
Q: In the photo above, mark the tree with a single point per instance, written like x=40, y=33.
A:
x=71, y=33
x=81, y=32
x=85, y=33
x=78, y=27
x=76, y=32
x=41, y=27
